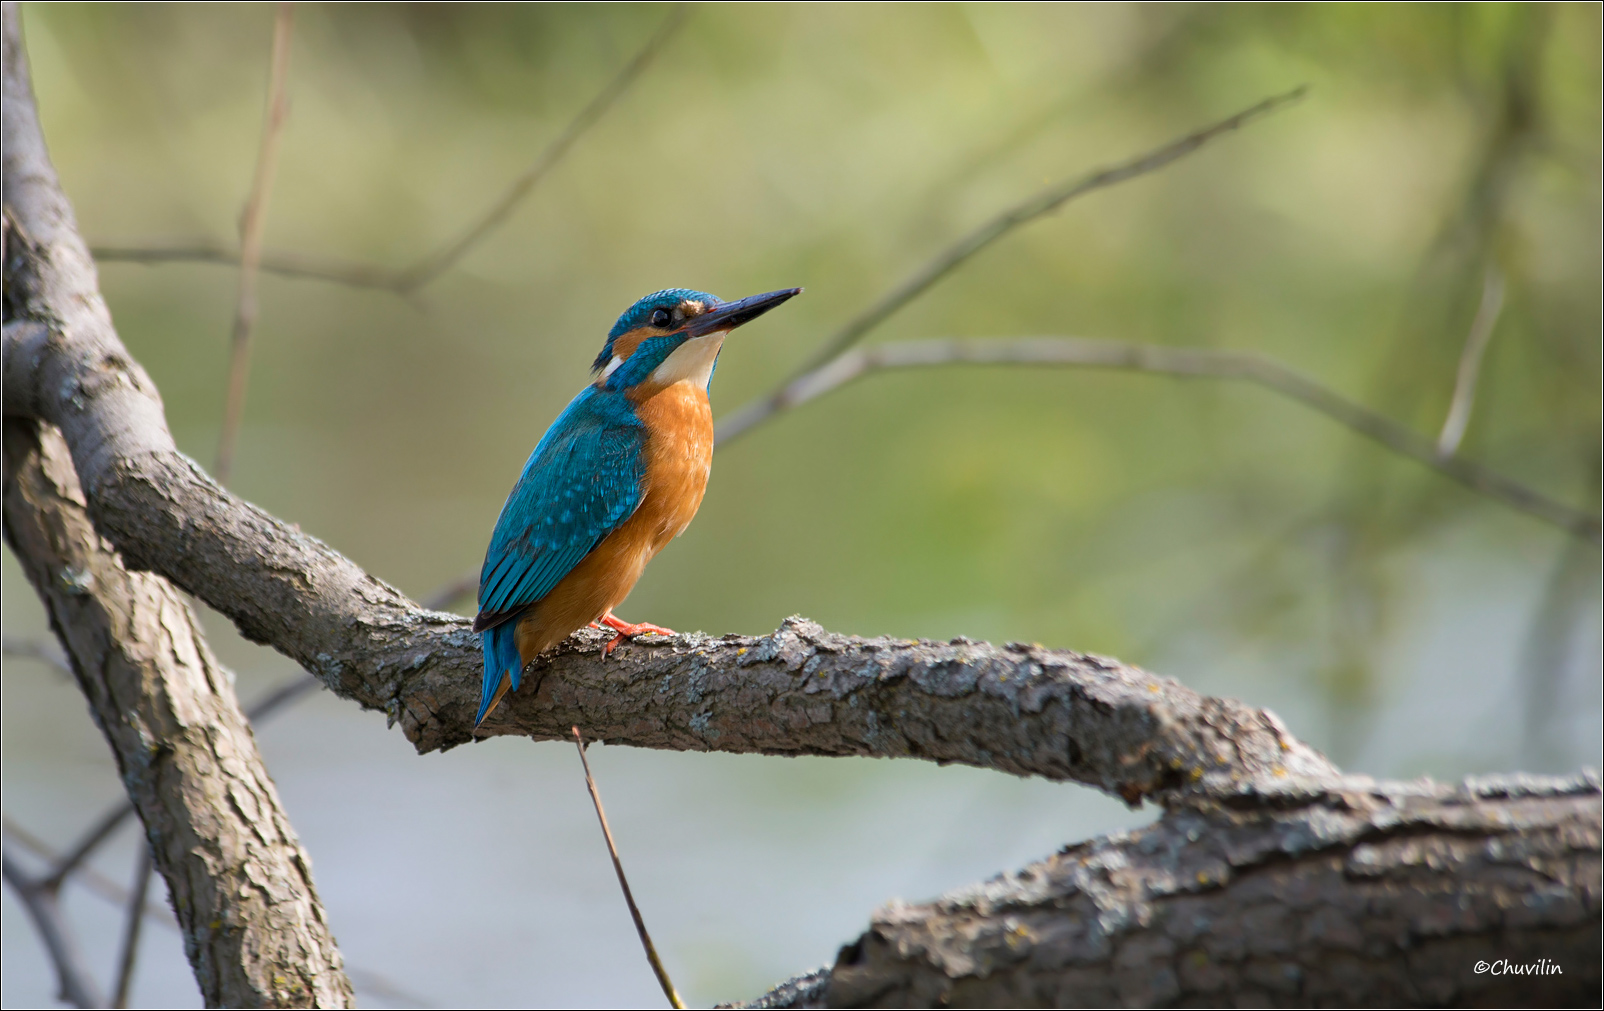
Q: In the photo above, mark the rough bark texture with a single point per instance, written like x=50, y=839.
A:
x=1359, y=894
x=240, y=883
x=1269, y=879
x=1021, y=709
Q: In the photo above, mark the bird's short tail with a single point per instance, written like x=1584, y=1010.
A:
x=503, y=662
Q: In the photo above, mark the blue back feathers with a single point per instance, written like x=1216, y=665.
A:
x=582, y=481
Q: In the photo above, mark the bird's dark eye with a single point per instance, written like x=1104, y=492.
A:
x=661, y=318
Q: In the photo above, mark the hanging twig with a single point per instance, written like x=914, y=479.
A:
x=950, y=259
x=133, y=920
x=623, y=882
x=1481, y=330
x=1243, y=365
x=251, y=221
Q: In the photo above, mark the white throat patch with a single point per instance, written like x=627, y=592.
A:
x=692, y=360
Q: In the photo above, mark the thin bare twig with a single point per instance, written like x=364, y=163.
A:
x=77, y=986
x=34, y=649
x=85, y=875
x=1481, y=330
x=428, y=267
x=431, y=265
x=1243, y=365
x=623, y=882
x=109, y=822
x=950, y=259
x=109, y=890
x=133, y=920
x=259, y=711
x=449, y=594
x=297, y=265
x=102, y=830
x=250, y=228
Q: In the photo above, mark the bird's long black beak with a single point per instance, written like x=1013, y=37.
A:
x=729, y=315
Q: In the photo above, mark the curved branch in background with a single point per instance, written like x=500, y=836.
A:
x=954, y=256
x=1481, y=331
x=365, y=980
x=254, y=928
x=264, y=708
x=432, y=265
x=252, y=224
x=46, y=653
x=1248, y=366
x=297, y=265
x=409, y=279
x=1020, y=709
x=74, y=983
x=1361, y=894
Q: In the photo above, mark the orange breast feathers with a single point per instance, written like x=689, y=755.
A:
x=679, y=457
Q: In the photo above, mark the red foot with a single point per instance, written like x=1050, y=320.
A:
x=627, y=631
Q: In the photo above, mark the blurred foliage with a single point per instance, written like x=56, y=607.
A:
x=1209, y=531
x=836, y=148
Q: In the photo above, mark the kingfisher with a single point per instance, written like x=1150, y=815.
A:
x=618, y=475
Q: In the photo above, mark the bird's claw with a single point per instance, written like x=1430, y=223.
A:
x=628, y=631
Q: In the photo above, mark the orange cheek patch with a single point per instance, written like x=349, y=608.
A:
x=626, y=344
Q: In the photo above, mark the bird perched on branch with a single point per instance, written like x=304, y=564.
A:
x=617, y=476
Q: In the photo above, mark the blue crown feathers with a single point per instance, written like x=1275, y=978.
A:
x=637, y=315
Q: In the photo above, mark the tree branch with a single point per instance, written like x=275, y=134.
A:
x=297, y=265
x=954, y=256
x=1037, y=352
x=1359, y=893
x=241, y=885
x=252, y=224
x=407, y=280
x=1020, y=709
x=365, y=980
x=133, y=922
x=433, y=264
x=1481, y=331
x=91, y=879
x=75, y=984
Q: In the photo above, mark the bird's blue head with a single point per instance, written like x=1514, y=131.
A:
x=674, y=335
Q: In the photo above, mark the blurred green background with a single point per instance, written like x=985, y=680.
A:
x=1208, y=531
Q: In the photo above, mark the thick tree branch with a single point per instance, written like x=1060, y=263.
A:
x=1020, y=709
x=1247, y=366
x=1358, y=893
x=240, y=883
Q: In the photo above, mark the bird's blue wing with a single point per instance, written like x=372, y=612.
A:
x=582, y=481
